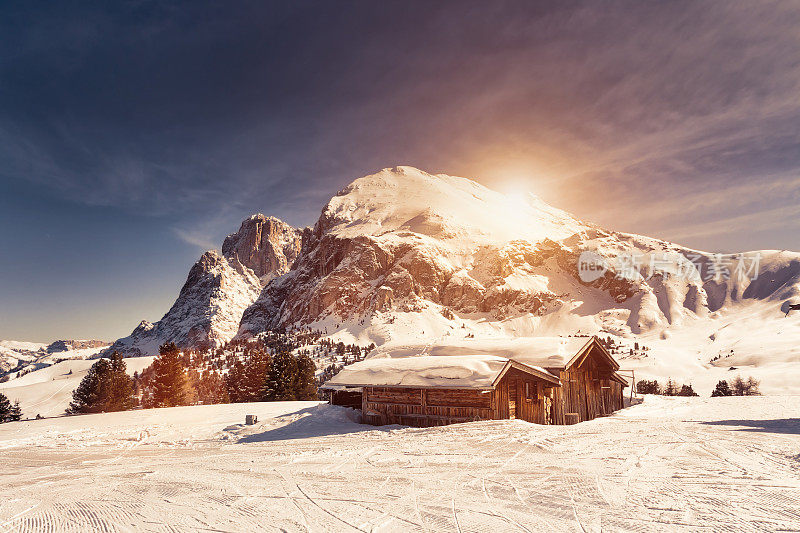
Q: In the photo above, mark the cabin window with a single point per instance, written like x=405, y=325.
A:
x=530, y=391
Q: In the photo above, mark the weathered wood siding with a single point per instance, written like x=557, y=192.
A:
x=524, y=396
x=587, y=391
x=425, y=407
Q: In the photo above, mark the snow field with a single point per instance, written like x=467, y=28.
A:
x=669, y=464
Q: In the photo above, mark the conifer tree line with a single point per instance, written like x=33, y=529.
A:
x=9, y=412
x=670, y=389
x=737, y=387
x=274, y=367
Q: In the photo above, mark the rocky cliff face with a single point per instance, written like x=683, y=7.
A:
x=263, y=246
x=219, y=288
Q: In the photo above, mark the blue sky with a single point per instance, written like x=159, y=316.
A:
x=135, y=135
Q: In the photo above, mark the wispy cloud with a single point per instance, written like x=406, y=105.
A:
x=624, y=104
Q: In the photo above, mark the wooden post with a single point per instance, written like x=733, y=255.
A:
x=633, y=383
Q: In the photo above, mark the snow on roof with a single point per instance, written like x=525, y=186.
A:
x=464, y=371
x=545, y=352
x=462, y=363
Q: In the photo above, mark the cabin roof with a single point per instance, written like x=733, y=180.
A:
x=545, y=352
x=469, y=363
x=473, y=371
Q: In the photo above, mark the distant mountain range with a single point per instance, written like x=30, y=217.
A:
x=16, y=354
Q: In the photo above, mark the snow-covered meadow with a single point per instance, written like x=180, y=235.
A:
x=666, y=464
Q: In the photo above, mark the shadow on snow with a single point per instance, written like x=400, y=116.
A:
x=318, y=421
x=779, y=425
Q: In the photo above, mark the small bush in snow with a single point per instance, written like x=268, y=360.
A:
x=648, y=387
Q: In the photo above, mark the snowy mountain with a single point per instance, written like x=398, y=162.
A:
x=406, y=241
x=219, y=288
x=405, y=255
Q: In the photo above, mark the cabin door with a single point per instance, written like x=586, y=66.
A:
x=512, y=399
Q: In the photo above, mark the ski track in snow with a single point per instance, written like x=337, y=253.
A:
x=669, y=464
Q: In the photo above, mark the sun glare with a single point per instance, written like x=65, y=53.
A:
x=517, y=200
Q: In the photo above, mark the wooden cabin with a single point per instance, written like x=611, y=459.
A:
x=546, y=380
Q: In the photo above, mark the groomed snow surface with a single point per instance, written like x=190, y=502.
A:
x=668, y=464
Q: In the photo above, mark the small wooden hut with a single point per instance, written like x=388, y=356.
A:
x=549, y=380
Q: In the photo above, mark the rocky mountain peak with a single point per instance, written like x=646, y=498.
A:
x=447, y=253
x=265, y=245
x=219, y=287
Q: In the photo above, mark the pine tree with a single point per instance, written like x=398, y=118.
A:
x=93, y=389
x=687, y=390
x=280, y=385
x=121, y=390
x=752, y=387
x=722, y=389
x=255, y=375
x=738, y=386
x=234, y=382
x=5, y=408
x=671, y=388
x=171, y=385
x=648, y=387
x=306, y=382
x=15, y=415
x=211, y=388
x=105, y=388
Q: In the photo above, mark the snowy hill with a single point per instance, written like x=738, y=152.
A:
x=403, y=254
x=19, y=357
x=48, y=390
x=669, y=464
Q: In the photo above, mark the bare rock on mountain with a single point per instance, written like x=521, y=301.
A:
x=20, y=357
x=440, y=252
x=408, y=240
x=71, y=344
x=264, y=245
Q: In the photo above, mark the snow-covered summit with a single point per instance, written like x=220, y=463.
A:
x=446, y=207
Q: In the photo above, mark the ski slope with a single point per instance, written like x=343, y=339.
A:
x=669, y=464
